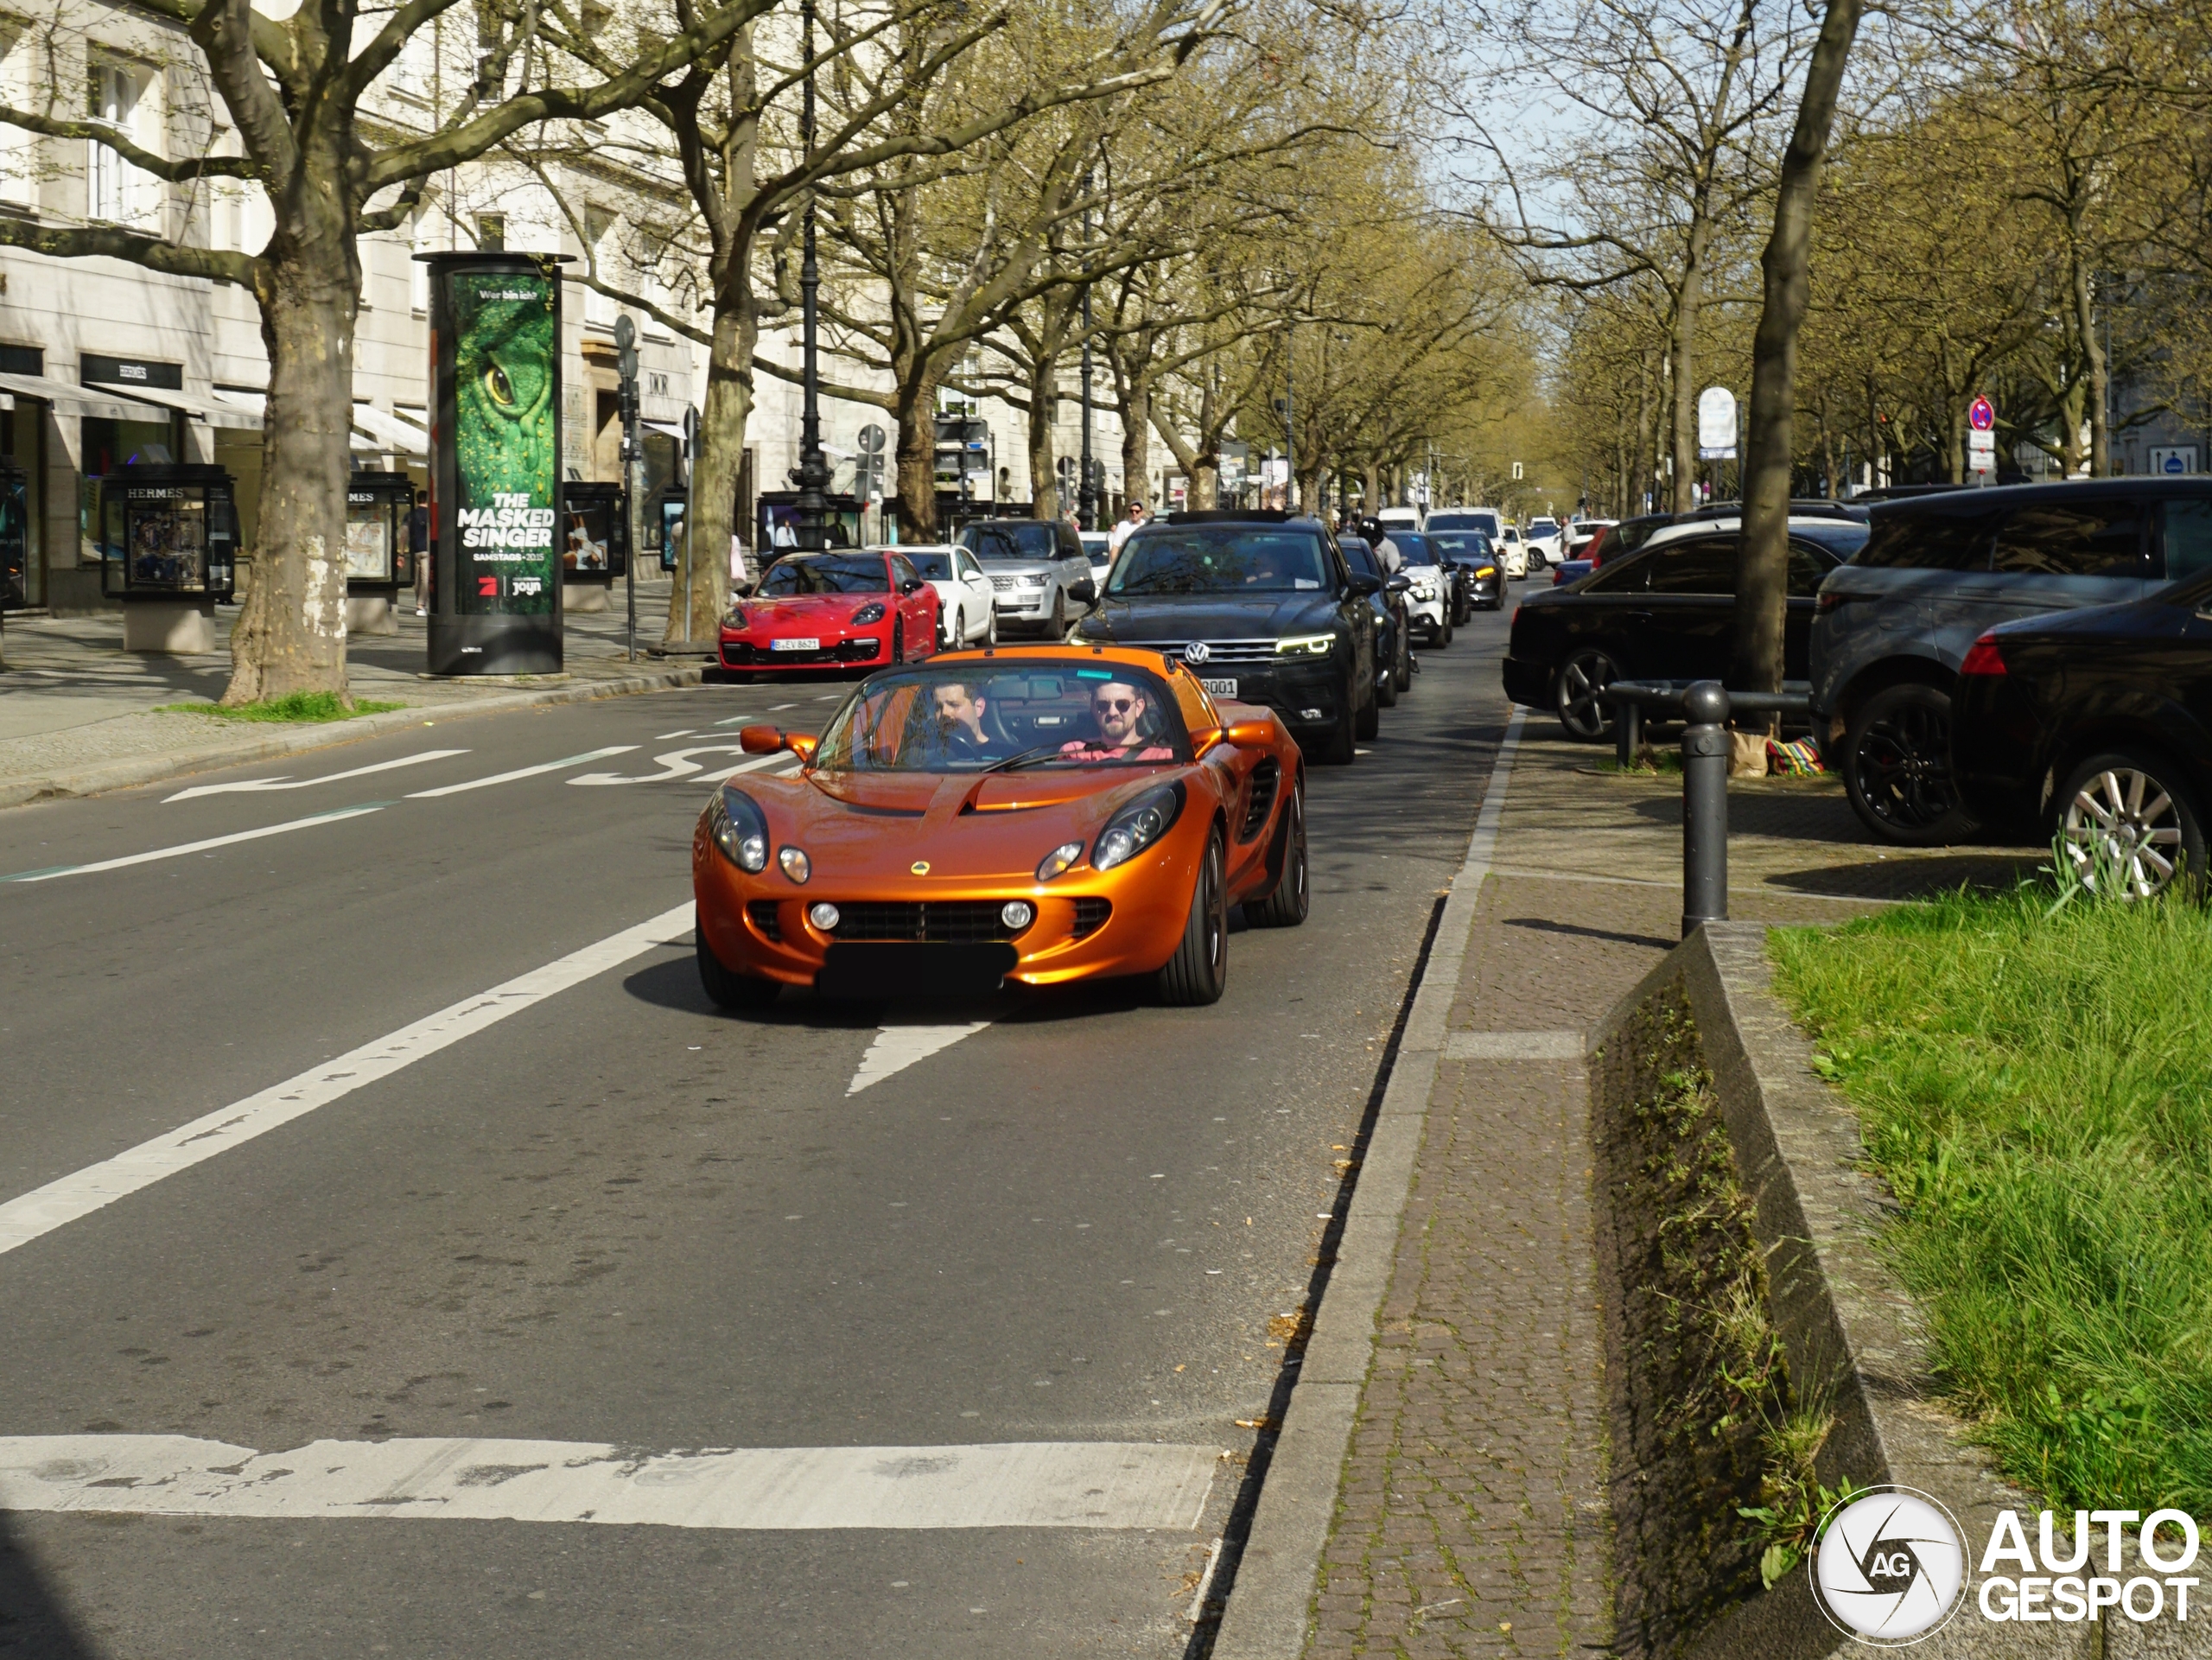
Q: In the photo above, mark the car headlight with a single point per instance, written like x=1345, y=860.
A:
x=740, y=829
x=1032, y=581
x=867, y=614
x=1487, y=570
x=1061, y=858
x=1136, y=827
x=796, y=864
x=735, y=617
x=1305, y=645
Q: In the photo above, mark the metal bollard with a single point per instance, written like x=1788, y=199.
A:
x=1705, y=805
x=1628, y=730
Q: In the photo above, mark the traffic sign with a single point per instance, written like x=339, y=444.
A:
x=1716, y=424
x=1981, y=416
x=871, y=439
x=1982, y=451
x=2178, y=459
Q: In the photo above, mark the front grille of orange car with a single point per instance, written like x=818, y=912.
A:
x=948, y=922
x=1267, y=778
x=1090, y=916
x=766, y=918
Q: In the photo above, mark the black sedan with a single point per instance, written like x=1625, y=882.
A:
x=1394, y=648
x=2096, y=725
x=1663, y=613
x=1262, y=607
x=1481, y=581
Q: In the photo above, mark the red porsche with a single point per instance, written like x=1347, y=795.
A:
x=841, y=609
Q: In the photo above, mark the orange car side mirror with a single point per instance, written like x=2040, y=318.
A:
x=1249, y=734
x=760, y=740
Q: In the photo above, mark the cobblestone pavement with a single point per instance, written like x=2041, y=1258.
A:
x=1472, y=1515
x=71, y=697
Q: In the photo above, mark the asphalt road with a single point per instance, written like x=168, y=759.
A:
x=603, y=1215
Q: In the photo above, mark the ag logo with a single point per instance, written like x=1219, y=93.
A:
x=1196, y=651
x=1890, y=1568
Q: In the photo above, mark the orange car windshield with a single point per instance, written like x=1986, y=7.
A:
x=973, y=717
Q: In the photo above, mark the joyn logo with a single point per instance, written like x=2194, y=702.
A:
x=1890, y=1569
x=1890, y=1565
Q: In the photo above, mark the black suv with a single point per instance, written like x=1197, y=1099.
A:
x=1262, y=607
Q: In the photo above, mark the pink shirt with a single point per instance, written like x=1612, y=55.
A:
x=1082, y=747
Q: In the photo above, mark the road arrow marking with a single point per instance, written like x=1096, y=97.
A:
x=285, y=781
x=676, y=764
x=53, y=871
x=1012, y=1484
x=524, y=772
x=897, y=1047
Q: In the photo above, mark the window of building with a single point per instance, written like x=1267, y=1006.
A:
x=492, y=233
x=18, y=148
x=600, y=251
x=116, y=97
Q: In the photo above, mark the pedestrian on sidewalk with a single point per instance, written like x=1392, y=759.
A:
x=1124, y=529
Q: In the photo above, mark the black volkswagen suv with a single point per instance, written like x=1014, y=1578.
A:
x=1263, y=608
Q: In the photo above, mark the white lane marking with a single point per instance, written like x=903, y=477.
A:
x=676, y=764
x=681, y=732
x=1017, y=1484
x=67, y=1197
x=897, y=1047
x=285, y=781
x=182, y=848
x=524, y=772
x=1516, y=1045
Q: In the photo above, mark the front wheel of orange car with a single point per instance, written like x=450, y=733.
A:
x=1199, y=972
x=1286, y=905
x=726, y=988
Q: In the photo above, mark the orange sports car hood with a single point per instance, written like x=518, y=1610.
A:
x=867, y=826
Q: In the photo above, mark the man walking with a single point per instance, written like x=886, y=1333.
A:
x=1123, y=530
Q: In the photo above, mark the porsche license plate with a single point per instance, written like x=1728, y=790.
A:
x=1220, y=688
x=795, y=645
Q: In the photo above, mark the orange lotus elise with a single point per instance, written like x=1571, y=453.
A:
x=1039, y=814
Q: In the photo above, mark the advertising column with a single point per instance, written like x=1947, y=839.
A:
x=495, y=450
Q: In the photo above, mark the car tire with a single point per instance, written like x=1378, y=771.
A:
x=1291, y=897
x=1339, y=749
x=1897, y=767
x=1386, y=689
x=991, y=628
x=1574, y=694
x=958, y=637
x=1199, y=971
x=2135, y=805
x=1058, y=628
x=725, y=987
x=1368, y=721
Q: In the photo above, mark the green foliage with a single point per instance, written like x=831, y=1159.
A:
x=2035, y=1083
x=299, y=706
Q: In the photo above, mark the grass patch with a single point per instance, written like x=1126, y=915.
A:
x=2035, y=1082
x=309, y=706
x=1649, y=762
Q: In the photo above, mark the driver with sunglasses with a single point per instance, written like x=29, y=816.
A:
x=1119, y=708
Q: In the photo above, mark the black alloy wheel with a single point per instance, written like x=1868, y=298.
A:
x=726, y=988
x=2126, y=819
x=1058, y=628
x=1199, y=971
x=1897, y=767
x=1574, y=693
x=1291, y=897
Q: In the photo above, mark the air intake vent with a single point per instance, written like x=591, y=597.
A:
x=767, y=919
x=1267, y=778
x=1090, y=916
x=952, y=922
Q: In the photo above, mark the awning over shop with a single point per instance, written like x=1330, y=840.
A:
x=392, y=434
x=216, y=411
x=69, y=398
x=672, y=429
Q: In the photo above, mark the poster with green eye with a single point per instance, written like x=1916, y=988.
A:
x=506, y=376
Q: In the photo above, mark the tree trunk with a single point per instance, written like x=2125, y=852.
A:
x=2092, y=356
x=1763, y=552
x=1640, y=485
x=1205, y=484
x=290, y=634
x=916, y=413
x=1689, y=302
x=1136, y=438
x=1044, y=409
x=702, y=569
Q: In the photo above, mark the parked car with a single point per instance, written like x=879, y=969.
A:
x=1488, y=520
x=1098, y=549
x=1938, y=570
x=831, y=610
x=1429, y=598
x=2096, y=725
x=1262, y=609
x=1545, y=538
x=1393, y=652
x=1582, y=533
x=1040, y=577
x=1400, y=519
x=1512, y=552
x=968, y=613
x=1482, y=581
x=1665, y=612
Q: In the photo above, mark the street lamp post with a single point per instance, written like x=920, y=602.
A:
x=812, y=473
x=1086, y=494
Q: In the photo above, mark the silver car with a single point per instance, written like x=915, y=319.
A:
x=1040, y=581
x=1891, y=627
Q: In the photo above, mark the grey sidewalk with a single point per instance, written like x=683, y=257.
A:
x=78, y=712
x=1467, y=1498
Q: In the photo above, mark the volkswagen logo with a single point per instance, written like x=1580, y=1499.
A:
x=1196, y=651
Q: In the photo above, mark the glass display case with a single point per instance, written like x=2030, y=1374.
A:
x=167, y=531
x=377, y=556
x=595, y=531
x=673, y=502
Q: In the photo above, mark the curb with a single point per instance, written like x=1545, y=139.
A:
x=136, y=770
x=1268, y=1603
